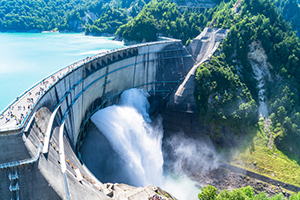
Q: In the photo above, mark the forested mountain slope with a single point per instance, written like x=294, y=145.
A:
x=290, y=9
x=40, y=15
x=164, y=17
x=106, y=16
x=257, y=64
x=259, y=21
x=100, y=16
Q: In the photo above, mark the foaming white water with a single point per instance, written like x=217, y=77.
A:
x=187, y=156
x=129, y=134
x=138, y=142
x=137, y=99
x=181, y=187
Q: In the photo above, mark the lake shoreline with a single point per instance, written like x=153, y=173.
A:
x=115, y=37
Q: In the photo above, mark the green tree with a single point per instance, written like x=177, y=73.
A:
x=208, y=193
x=295, y=196
x=281, y=113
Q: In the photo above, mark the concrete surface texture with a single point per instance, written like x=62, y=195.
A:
x=75, y=93
x=124, y=192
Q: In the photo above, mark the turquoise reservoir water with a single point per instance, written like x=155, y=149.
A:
x=26, y=58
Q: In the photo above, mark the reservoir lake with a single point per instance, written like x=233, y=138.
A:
x=27, y=58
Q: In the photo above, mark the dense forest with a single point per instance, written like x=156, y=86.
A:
x=108, y=22
x=290, y=10
x=40, y=15
x=163, y=17
x=113, y=16
x=99, y=16
x=106, y=17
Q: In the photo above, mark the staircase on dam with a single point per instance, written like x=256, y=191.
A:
x=181, y=113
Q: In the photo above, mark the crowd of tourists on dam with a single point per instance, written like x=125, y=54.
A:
x=12, y=116
x=18, y=110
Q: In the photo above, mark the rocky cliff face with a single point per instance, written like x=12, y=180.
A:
x=224, y=133
x=78, y=25
x=89, y=16
x=258, y=61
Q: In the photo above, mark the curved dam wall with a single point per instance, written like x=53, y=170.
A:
x=38, y=154
x=156, y=68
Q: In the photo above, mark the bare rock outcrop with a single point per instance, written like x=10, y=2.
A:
x=126, y=192
x=260, y=66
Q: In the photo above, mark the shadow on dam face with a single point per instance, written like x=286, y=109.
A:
x=101, y=159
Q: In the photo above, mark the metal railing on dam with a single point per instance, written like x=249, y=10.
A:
x=14, y=117
x=71, y=95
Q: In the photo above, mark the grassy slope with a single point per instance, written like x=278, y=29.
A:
x=255, y=155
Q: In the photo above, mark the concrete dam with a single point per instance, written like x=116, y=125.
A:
x=42, y=131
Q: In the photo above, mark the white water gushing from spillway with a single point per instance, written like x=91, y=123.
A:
x=127, y=128
x=138, y=142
